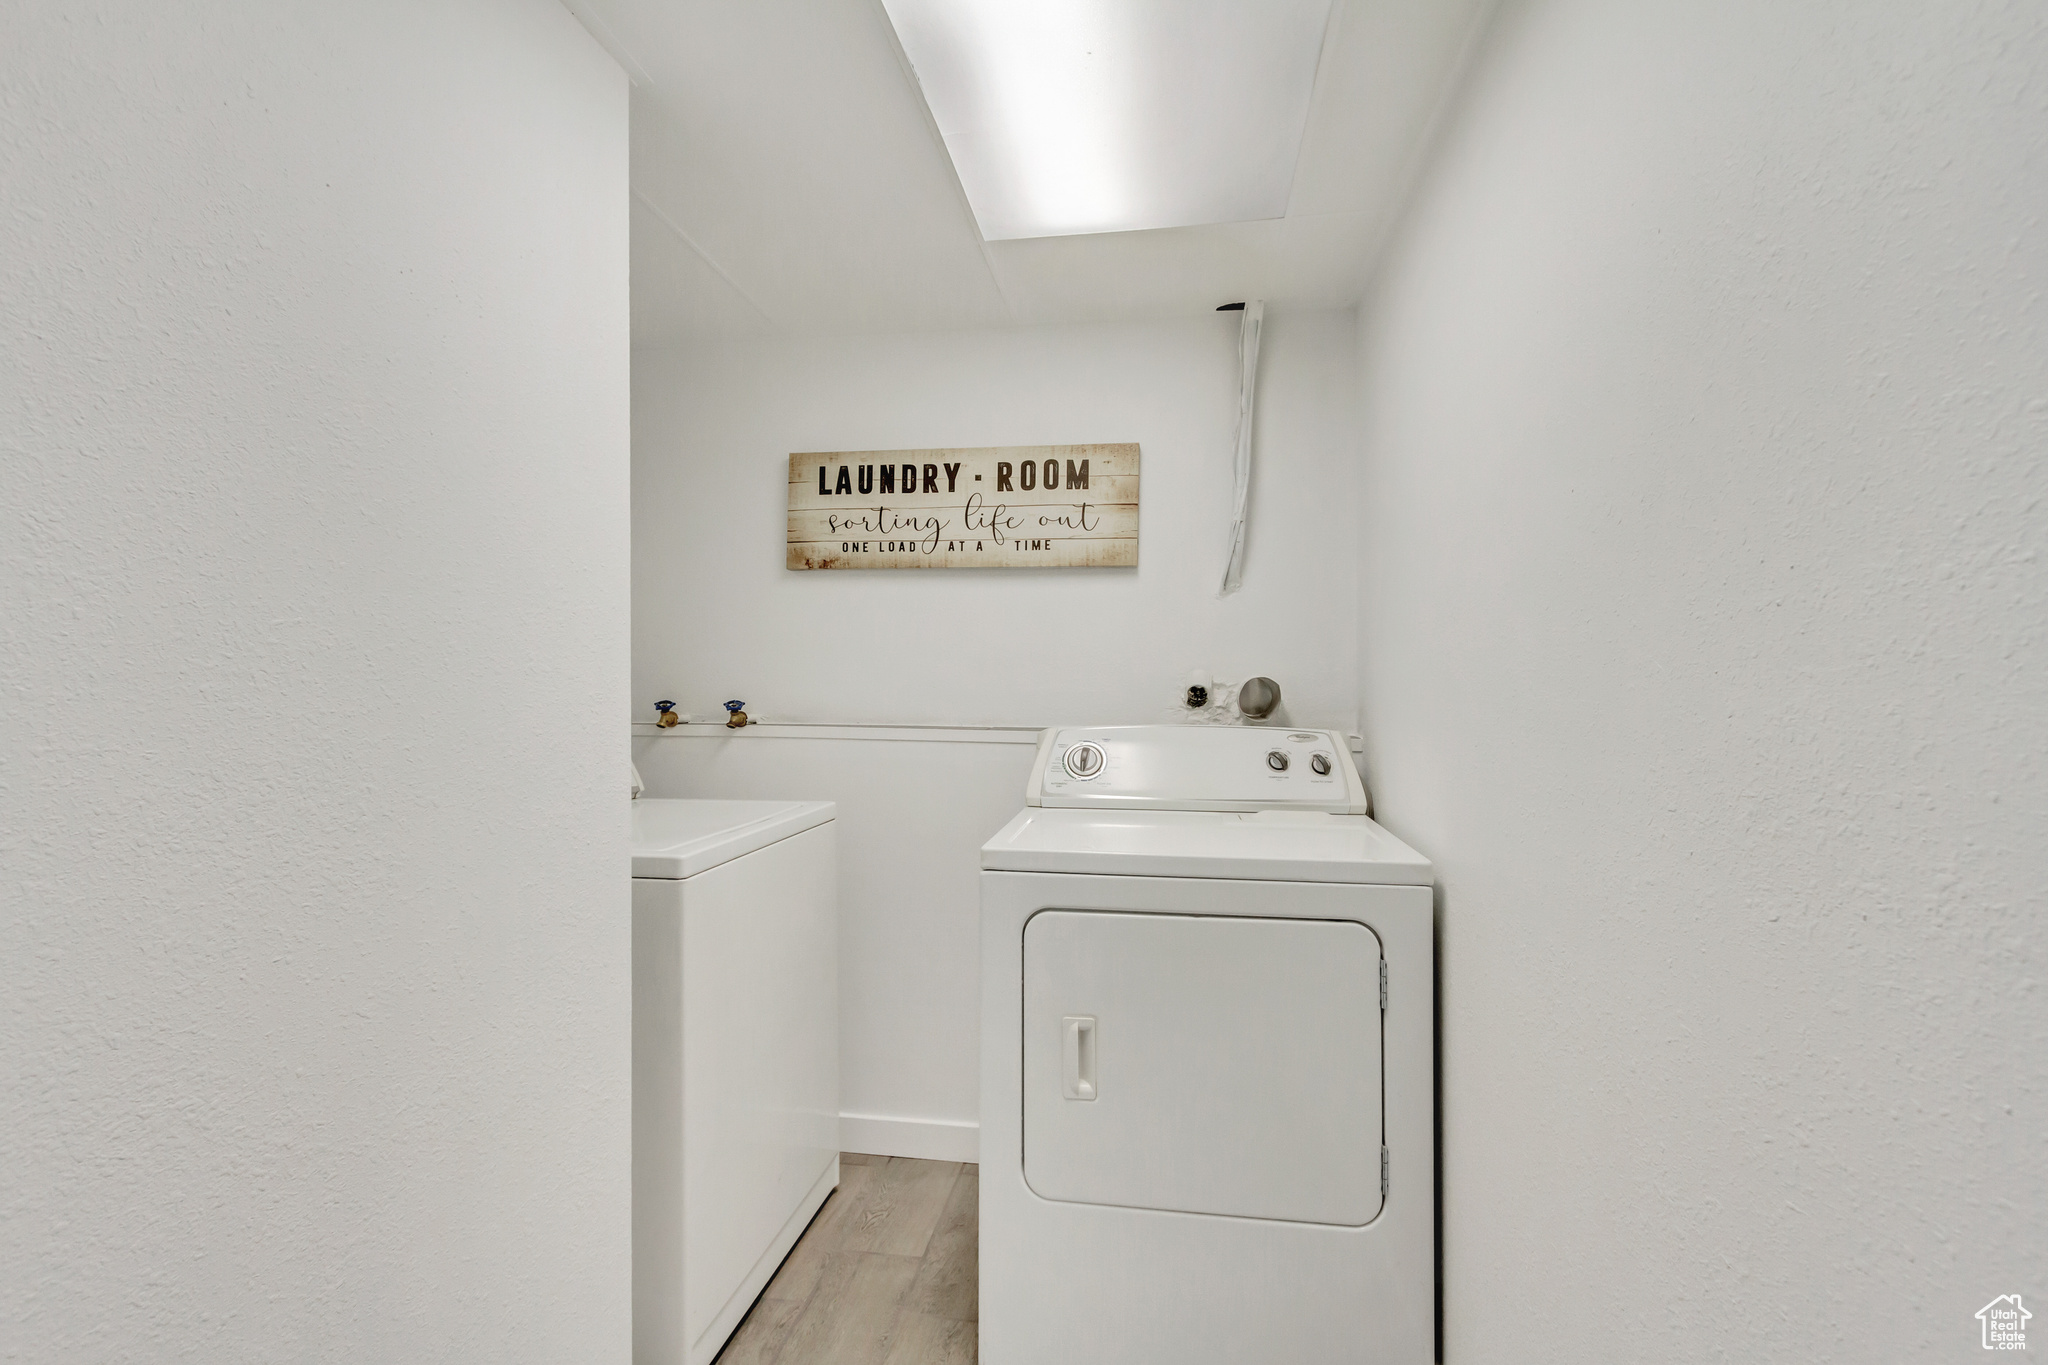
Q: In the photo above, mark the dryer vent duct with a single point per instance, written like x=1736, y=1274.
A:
x=1251, y=317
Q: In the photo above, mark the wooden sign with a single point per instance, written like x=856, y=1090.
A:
x=998, y=507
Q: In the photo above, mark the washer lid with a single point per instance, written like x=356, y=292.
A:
x=674, y=839
x=1272, y=845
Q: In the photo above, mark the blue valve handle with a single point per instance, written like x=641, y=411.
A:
x=735, y=705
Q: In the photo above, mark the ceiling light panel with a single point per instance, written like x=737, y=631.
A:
x=1074, y=116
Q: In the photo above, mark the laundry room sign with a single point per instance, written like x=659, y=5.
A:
x=996, y=507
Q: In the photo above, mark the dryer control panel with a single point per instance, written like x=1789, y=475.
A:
x=1196, y=767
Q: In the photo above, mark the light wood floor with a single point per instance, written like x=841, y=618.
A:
x=885, y=1275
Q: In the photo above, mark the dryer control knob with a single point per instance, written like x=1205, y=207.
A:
x=1277, y=761
x=1321, y=763
x=1084, y=761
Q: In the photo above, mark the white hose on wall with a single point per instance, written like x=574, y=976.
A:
x=1247, y=382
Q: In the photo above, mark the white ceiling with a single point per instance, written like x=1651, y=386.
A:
x=788, y=179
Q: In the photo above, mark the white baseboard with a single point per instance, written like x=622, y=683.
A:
x=928, y=1139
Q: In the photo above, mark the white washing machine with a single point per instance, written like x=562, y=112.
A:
x=1206, y=1060
x=735, y=1058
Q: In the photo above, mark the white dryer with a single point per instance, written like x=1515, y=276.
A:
x=1207, y=1066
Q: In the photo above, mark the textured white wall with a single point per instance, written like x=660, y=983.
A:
x=313, y=512
x=1705, y=646
x=717, y=616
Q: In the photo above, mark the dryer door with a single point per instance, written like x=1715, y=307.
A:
x=1204, y=1064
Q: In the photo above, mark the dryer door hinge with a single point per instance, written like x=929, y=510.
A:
x=1383, y=985
x=1383, y=1174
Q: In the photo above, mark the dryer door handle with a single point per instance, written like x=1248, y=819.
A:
x=1077, y=1056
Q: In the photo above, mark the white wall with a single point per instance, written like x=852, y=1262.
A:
x=313, y=488
x=716, y=615
x=1705, y=646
